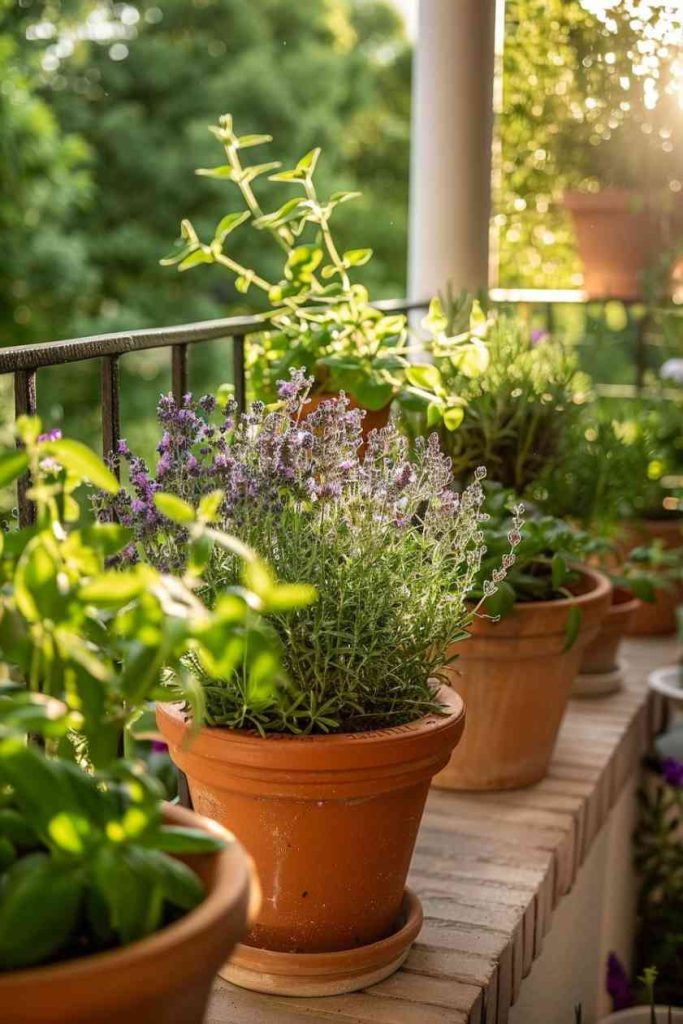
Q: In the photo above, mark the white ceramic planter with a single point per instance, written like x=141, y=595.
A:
x=641, y=1015
x=668, y=682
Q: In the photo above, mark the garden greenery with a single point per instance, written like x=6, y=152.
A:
x=85, y=859
x=391, y=548
x=515, y=396
x=320, y=319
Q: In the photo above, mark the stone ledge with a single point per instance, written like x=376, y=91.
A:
x=490, y=868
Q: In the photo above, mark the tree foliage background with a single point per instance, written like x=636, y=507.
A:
x=104, y=108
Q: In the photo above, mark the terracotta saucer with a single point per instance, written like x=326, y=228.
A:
x=598, y=684
x=326, y=974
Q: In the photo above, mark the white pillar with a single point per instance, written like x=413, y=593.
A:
x=450, y=186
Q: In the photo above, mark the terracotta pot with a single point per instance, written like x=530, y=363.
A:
x=658, y=617
x=330, y=820
x=600, y=656
x=618, y=237
x=515, y=678
x=166, y=978
x=374, y=419
x=636, y=533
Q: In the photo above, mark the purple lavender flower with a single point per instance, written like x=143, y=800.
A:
x=51, y=435
x=618, y=984
x=672, y=772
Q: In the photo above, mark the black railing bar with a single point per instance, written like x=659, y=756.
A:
x=25, y=404
x=55, y=353
x=73, y=350
x=111, y=416
x=179, y=371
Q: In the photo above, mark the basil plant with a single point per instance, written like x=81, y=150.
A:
x=85, y=858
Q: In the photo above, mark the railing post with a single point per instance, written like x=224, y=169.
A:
x=239, y=374
x=179, y=372
x=111, y=416
x=25, y=404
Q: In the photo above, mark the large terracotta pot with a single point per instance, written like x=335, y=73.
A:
x=618, y=236
x=331, y=821
x=600, y=655
x=374, y=419
x=164, y=979
x=515, y=677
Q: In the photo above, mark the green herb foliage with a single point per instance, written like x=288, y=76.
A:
x=85, y=860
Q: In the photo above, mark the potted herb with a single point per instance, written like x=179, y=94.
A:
x=650, y=1013
x=319, y=318
x=665, y=567
x=502, y=400
x=516, y=671
x=113, y=906
x=325, y=780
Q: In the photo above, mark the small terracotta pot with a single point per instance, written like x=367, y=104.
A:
x=330, y=820
x=374, y=419
x=658, y=617
x=600, y=656
x=166, y=978
x=515, y=678
x=618, y=235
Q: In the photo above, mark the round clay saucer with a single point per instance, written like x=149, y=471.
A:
x=598, y=684
x=326, y=974
x=669, y=682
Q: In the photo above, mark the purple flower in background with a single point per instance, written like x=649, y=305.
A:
x=672, y=771
x=51, y=435
x=538, y=336
x=618, y=984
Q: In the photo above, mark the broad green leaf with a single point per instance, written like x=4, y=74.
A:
x=308, y=161
x=114, y=588
x=245, y=141
x=80, y=460
x=251, y=173
x=39, y=905
x=434, y=414
x=285, y=596
x=28, y=429
x=203, y=255
x=176, y=255
x=224, y=171
x=229, y=223
x=69, y=832
x=471, y=359
x=108, y=538
x=453, y=417
x=36, y=589
x=178, y=839
x=424, y=375
x=356, y=257
x=174, y=508
x=572, y=628
x=210, y=505
x=12, y=465
x=372, y=394
x=558, y=571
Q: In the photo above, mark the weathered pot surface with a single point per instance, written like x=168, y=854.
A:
x=515, y=677
x=331, y=820
x=166, y=978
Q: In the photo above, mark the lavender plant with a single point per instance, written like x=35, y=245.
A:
x=392, y=549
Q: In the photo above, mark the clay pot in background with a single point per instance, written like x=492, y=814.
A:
x=643, y=532
x=600, y=672
x=331, y=822
x=515, y=677
x=374, y=419
x=658, y=617
x=618, y=237
x=165, y=978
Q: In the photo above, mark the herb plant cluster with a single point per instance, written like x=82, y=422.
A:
x=85, y=858
x=391, y=548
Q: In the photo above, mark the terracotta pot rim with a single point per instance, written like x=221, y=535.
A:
x=232, y=879
x=611, y=198
x=627, y=606
x=427, y=724
x=601, y=586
